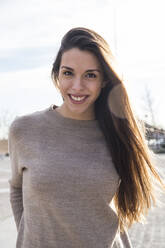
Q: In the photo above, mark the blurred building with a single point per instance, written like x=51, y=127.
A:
x=156, y=138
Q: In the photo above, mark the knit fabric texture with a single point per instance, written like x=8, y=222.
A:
x=62, y=183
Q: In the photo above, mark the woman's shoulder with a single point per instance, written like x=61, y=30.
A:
x=26, y=122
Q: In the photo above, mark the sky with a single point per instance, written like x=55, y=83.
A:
x=31, y=32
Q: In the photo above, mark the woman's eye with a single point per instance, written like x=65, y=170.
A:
x=91, y=75
x=67, y=73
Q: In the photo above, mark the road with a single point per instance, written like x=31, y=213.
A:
x=150, y=235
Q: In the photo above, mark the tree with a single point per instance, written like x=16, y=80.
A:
x=149, y=105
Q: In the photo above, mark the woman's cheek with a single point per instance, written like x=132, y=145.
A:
x=64, y=86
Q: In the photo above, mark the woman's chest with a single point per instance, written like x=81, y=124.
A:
x=70, y=169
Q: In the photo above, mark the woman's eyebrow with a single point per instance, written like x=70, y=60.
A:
x=71, y=69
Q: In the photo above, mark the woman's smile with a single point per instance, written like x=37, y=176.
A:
x=77, y=99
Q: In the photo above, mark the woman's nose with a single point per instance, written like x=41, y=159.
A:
x=77, y=84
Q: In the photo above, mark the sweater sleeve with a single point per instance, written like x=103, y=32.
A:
x=15, y=182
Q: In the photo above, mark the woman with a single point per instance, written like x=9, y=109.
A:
x=70, y=163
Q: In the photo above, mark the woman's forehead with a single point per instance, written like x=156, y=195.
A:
x=75, y=57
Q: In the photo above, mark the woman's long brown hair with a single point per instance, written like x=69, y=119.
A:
x=124, y=136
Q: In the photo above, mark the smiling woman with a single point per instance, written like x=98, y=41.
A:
x=70, y=163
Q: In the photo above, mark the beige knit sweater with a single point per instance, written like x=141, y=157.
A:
x=62, y=183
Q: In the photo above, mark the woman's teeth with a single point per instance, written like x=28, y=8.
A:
x=78, y=98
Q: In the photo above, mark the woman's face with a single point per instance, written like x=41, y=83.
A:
x=80, y=83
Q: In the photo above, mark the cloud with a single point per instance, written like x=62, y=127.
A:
x=30, y=23
x=26, y=58
x=33, y=78
x=34, y=22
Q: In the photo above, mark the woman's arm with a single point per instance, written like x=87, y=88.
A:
x=16, y=203
x=15, y=181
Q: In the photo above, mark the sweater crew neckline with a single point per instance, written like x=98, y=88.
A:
x=69, y=122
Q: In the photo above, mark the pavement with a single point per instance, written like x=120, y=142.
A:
x=8, y=233
x=150, y=235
